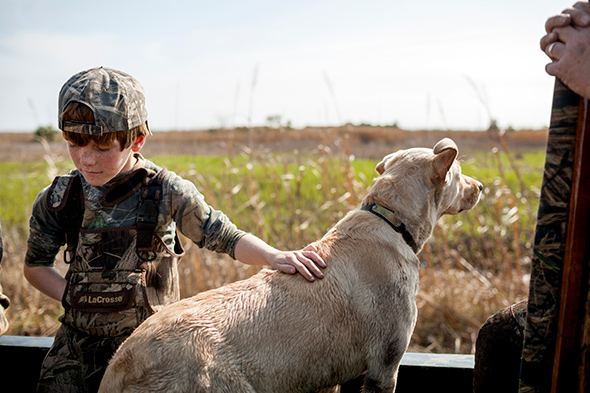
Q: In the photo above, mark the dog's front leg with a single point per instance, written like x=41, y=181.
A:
x=379, y=386
x=333, y=389
x=382, y=371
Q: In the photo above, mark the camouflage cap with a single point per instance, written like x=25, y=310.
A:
x=116, y=99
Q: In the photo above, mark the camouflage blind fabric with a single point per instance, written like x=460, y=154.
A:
x=549, y=247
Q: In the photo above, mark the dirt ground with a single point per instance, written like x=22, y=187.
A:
x=362, y=142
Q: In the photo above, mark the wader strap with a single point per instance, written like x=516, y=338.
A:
x=71, y=218
x=147, y=217
x=125, y=187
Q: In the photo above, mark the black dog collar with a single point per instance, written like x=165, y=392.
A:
x=389, y=217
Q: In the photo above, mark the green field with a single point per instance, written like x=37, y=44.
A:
x=280, y=188
x=475, y=263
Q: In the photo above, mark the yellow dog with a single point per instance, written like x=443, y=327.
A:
x=278, y=333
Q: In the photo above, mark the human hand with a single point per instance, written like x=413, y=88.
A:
x=306, y=261
x=578, y=16
x=567, y=43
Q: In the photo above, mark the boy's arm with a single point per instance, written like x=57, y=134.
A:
x=45, y=239
x=253, y=251
x=212, y=229
x=46, y=279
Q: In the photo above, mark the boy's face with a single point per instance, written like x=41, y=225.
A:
x=100, y=163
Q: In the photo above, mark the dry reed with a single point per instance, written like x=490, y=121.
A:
x=475, y=263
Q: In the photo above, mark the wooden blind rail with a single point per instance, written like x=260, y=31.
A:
x=570, y=368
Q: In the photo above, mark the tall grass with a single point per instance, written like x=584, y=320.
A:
x=474, y=264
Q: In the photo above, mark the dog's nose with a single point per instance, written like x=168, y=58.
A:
x=480, y=186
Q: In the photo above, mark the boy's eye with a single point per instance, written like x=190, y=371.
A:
x=103, y=148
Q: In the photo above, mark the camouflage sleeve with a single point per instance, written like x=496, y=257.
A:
x=45, y=234
x=206, y=227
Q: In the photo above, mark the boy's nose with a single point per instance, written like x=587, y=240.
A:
x=87, y=157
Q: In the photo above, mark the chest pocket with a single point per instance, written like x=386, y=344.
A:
x=114, y=301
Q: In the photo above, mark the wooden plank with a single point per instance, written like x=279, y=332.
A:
x=20, y=362
x=21, y=358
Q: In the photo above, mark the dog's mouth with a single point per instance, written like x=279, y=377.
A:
x=468, y=202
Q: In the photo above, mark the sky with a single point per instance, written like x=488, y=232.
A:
x=219, y=64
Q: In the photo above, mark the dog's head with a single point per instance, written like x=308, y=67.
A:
x=431, y=179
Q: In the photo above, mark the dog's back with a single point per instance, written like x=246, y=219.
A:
x=257, y=332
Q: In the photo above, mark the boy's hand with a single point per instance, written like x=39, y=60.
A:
x=253, y=251
x=306, y=261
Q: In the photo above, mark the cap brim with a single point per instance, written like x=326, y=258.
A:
x=81, y=128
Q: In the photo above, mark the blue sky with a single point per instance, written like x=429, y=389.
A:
x=206, y=64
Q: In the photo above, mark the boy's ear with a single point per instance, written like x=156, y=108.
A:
x=138, y=144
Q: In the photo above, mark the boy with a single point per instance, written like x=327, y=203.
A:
x=118, y=214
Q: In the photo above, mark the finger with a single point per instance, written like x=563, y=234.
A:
x=550, y=50
x=313, y=268
x=315, y=257
x=580, y=14
x=555, y=68
x=555, y=50
x=309, y=261
x=311, y=247
x=551, y=68
x=548, y=39
x=304, y=272
x=583, y=5
x=307, y=266
x=285, y=268
x=560, y=20
x=292, y=265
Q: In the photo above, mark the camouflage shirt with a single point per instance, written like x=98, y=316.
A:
x=110, y=289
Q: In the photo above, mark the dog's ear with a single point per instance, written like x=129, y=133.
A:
x=445, y=154
x=380, y=168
